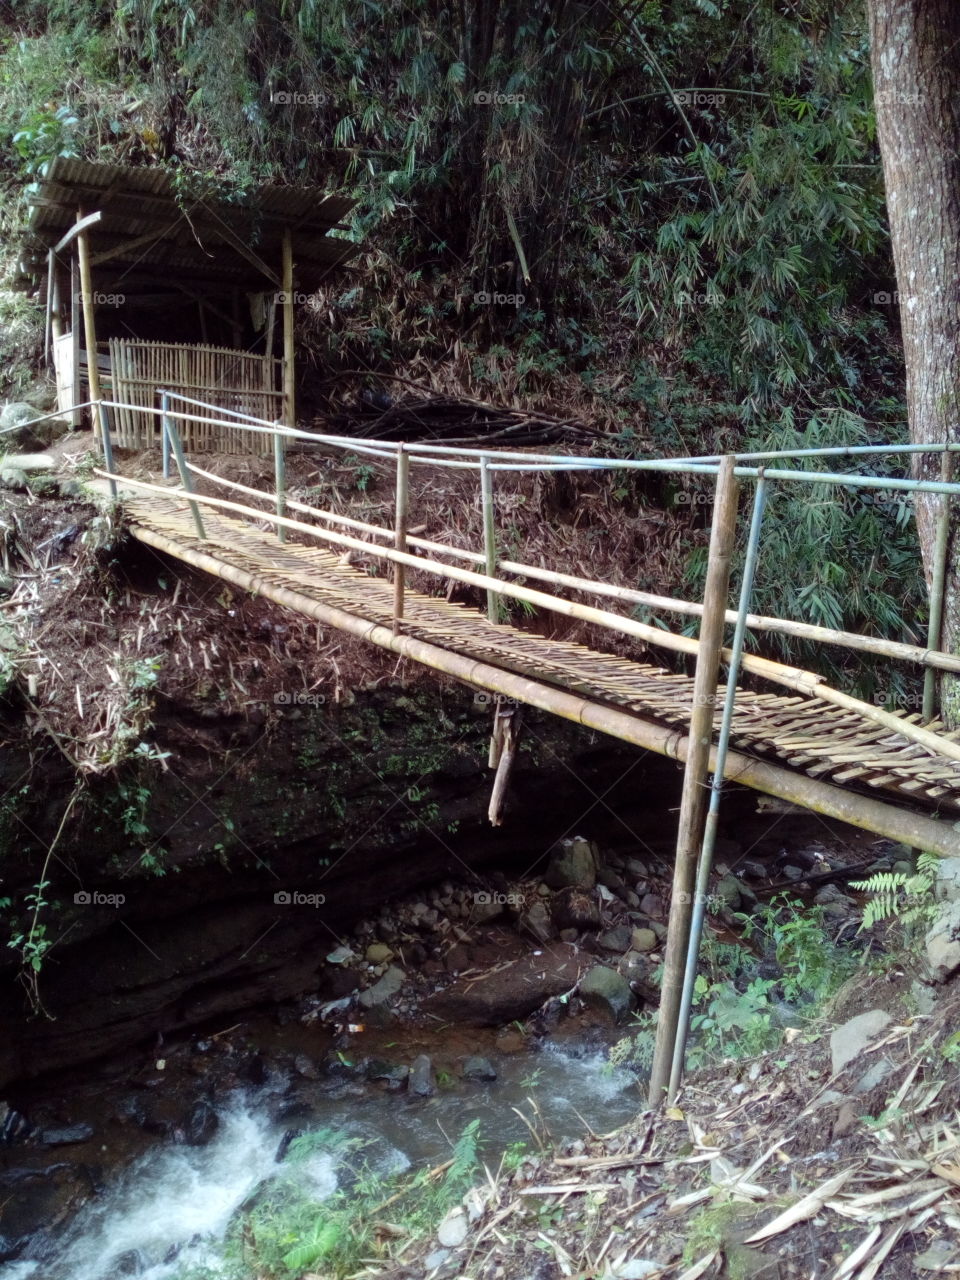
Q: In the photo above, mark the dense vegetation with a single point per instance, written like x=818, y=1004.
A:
x=680, y=204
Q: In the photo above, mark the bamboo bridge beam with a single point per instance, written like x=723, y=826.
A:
x=883, y=819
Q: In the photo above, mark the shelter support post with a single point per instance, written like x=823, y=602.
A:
x=89, y=324
x=693, y=802
x=280, y=481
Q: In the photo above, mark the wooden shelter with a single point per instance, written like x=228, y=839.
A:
x=153, y=282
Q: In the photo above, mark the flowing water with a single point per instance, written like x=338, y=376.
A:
x=167, y=1211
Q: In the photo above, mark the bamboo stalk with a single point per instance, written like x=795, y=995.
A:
x=89, y=323
x=869, y=814
x=289, y=407
x=805, y=682
x=693, y=802
x=400, y=534
x=507, y=755
x=280, y=482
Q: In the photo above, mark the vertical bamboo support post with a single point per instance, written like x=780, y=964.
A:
x=280, y=480
x=693, y=802
x=489, y=536
x=165, y=432
x=89, y=325
x=185, y=479
x=289, y=405
x=938, y=579
x=48, y=323
x=400, y=532
x=56, y=323
x=716, y=787
x=101, y=410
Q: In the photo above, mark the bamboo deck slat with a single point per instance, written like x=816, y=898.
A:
x=822, y=741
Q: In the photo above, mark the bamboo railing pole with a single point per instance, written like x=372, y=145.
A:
x=902, y=825
x=107, y=445
x=185, y=480
x=489, y=536
x=280, y=482
x=165, y=434
x=755, y=622
x=938, y=582
x=705, y=860
x=805, y=682
x=289, y=405
x=400, y=533
x=693, y=801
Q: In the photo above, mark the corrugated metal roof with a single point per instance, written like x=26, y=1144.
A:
x=155, y=223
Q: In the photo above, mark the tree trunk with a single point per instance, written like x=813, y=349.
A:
x=915, y=48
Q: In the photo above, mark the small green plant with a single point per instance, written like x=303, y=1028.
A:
x=897, y=895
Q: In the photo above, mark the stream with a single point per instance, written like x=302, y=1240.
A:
x=164, y=1214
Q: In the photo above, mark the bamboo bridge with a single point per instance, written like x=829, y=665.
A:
x=887, y=771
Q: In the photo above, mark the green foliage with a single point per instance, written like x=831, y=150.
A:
x=895, y=895
x=289, y=1231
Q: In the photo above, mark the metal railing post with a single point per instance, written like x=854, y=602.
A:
x=164, y=435
x=938, y=579
x=280, y=480
x=107, y=444
x=716, y=785
x=489, y=536
x=185, y=480
x=400, y=533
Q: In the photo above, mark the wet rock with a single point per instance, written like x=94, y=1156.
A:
x=643, y=940
x=383, y=991
x=568, y=935
x=617, y=939
x=486, y=907
x=537, y=921
x=378, y=953
x=874, y=1075
x=636, y=869
x=285, y=1142
x=436, y=1259
x=942, y=942
x=632, y=899
x=477, y=1068
x=728, y=890
x=130, y=1263
x=453, y=1229
x=508, y=993
x=420, y=1081
x=14, y=1125
x=68, y=1136
x=393, y=1074
x=790, y=872
x=340, y=955
x=651, y=904
x=608, y=990
x=573, y=863
x=849, y=1040
x=306, y=1067
x=612, y=881
x=576, y=909
x=947, y=884
x=202, y=1124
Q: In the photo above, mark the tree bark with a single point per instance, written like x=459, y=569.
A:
x=915, y=47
